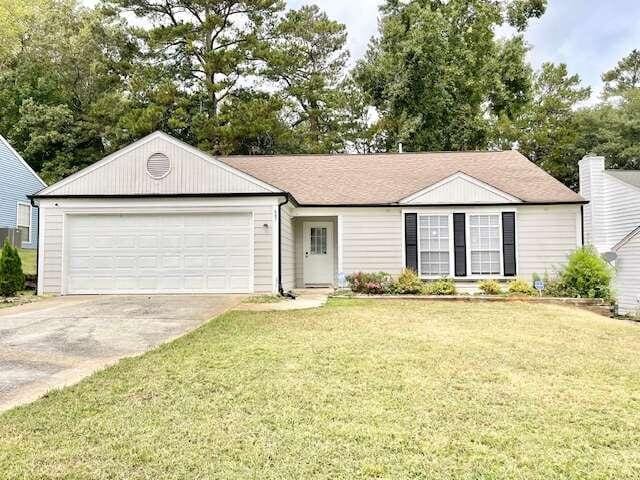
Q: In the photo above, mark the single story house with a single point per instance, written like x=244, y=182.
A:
x=18, y=218
x=612, y=223
x=161, y=216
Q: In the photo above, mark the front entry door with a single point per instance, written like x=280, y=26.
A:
x=318, y=253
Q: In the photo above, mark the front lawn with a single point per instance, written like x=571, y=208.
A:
x=357, y=389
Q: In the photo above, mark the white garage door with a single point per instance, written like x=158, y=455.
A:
x=158, y=253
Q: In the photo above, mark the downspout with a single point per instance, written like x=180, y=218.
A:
x=582, y=223
x=280, y=205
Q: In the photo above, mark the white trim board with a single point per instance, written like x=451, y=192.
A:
x=153, y=136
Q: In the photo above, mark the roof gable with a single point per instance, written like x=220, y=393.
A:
x=459, y=189
x=191, y=171
x=18, y=160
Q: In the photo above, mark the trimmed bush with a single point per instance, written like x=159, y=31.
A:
x=370, y=283
x=11, y=275
x=587, y=275
x=520, y=287
x=490, y=287
x=554, y=286
x=408, y=283
x=444, y=286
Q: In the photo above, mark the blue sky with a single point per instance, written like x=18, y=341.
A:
x=590, y=36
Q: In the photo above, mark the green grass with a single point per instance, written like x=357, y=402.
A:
x=358, y=389
x=28, y=258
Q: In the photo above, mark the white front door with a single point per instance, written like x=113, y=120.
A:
x=318, y=253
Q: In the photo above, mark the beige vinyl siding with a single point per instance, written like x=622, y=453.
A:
x=627, y=283
x=127, y=174
x=51, y=249
x=288, y=248
x=372, y=240
x=263, y=250
x=545, y=236
x=459, y=190
x=53, y=227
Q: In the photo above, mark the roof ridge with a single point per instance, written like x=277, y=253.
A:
x=361, y=155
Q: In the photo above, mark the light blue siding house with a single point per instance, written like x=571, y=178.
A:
x=17, y=181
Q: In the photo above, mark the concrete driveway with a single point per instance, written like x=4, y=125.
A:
x=59, y=341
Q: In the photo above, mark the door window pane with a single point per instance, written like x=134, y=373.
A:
x=318, y=241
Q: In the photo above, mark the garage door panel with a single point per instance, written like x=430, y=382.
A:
x=171, y=241
x=135, y=253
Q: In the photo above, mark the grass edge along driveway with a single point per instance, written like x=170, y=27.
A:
x=357, y=389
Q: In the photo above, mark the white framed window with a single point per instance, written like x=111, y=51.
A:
x=23, y=221
x=485, y=245
x=434, y=245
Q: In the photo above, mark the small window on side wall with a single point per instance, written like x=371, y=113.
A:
x=23, y=222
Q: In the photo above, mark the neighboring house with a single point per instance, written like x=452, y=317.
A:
x=17, y=182
x=611, y=221
x=162, y=216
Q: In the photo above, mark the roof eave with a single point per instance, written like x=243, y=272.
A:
x=423, y=205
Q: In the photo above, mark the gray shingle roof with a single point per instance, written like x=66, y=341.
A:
x=388, y=178
x=632, y=177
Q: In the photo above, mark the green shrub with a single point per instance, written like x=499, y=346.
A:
x=370, y=283
x=444, y=286
x=554, y=286
x=408, y=283
x=11, y=275
x=587, y=275
x=490, y=287
x=520, y=287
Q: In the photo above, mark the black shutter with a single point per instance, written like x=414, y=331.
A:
x=460, y=244
x=411, y=240
x=509, y=243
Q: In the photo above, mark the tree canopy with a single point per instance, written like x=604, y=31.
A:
x=253, y=77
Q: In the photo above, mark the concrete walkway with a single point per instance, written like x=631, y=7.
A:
x=306, y=298
x=59, y=341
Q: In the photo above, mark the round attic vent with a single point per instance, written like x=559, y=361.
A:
x=158, y=166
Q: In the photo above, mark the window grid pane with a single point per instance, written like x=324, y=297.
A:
x=318, y=240
x=484, y=231
x=434, y=245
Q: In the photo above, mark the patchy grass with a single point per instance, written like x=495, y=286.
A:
x=263, y=299
x=27, y=296
x=358, y=389
x=28, y=258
